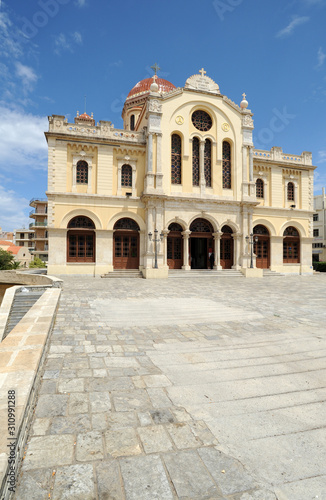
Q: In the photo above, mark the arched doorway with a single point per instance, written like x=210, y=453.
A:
x=81, y=240
x=201, y=242
x=226, y=249
x=262, y=247
x=174, y=246
x=291, y=246
x=126, y=244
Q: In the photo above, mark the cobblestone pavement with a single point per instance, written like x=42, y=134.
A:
x=188, y=389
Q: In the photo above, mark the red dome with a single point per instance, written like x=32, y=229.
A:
x=143, y=86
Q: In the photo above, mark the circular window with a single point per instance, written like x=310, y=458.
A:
x=201, y=120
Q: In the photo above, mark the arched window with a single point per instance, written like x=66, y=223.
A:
x=132, y=122
x=201, y=226
x=81, y=240
x=291, y=246
x=208, y=162
x=176, y=159
x=290, y=191
x=175, y=227
x=126, y=176
x=81, y=222
x=226, y=165
x=82, y=172
x=126, y=224
x=259, y=188
x=195, y=161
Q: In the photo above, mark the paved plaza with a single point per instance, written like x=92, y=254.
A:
x=182, y=389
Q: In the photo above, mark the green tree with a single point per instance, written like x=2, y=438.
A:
x=7, y=261
x=37, y=263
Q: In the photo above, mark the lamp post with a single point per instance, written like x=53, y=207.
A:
x=156, y=241
x=251, y=240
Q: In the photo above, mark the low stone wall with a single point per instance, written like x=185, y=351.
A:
x=21, y=356
x=20, y=278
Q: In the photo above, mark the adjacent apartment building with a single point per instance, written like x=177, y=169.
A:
x=185, y=168
x=39, y=227
x=319, y=231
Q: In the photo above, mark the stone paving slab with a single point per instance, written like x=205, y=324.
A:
x=189, y=389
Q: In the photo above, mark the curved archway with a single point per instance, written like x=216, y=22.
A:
x=262, y=246
x=81, y=240
x=175, y=246
x=126, y=244
x=201, y=243
x=226, y=247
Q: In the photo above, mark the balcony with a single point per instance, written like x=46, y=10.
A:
x=33, y=213
x=39, y=224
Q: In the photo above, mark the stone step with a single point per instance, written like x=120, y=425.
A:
x=268, y=273
x=22, y=303
x=123, y=273
x=205, y=273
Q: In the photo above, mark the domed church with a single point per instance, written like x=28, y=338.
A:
x=180, y=187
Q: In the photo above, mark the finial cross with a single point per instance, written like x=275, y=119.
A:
x=244, y=95
x=155, y=68
x=202, y=72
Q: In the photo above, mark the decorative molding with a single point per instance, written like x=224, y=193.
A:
x=154, y=106
x=231, y=103
x=203, y=83
x=247, y=121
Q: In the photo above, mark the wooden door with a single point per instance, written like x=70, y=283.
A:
x=174, y=252
x=126, y=250
x=261, y=250
x=226, y=251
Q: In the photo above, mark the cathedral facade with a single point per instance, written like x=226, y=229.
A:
x=181, y=186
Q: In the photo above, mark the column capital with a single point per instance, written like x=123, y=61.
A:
x=217, y=235
x=186, y=233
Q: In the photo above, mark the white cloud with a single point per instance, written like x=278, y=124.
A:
x=288, y=30
x=64, y=43
x=80, y=3
x=9, y=37
x=321, y=56
x=13, y=210
x=27, y=76
x=322, y=156
x=77, y=37
x=22, y=142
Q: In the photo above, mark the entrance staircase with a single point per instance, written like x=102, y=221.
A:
x=123, y=273
x=23, y=300
x=205, y=273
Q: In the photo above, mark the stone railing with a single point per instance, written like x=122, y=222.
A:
x=276, y=154
x=103, y=130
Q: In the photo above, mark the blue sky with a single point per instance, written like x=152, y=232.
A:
x=53, y=52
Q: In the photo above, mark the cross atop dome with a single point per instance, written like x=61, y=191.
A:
x=202, y=72
x=155, y=68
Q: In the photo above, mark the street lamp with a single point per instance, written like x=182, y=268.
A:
x=156, y=241
x=251, y=240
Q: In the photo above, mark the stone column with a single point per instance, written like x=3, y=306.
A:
x=244, y=164
x=202, y=181
x=74, y=176
x=149, y=163
x=159, y=173
x=217, y=250
x=165, y=247
x=251, y=164
x=133, y=188
x=236, y=253
x=186, y=235
x=119, y=192
x=89, y=185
